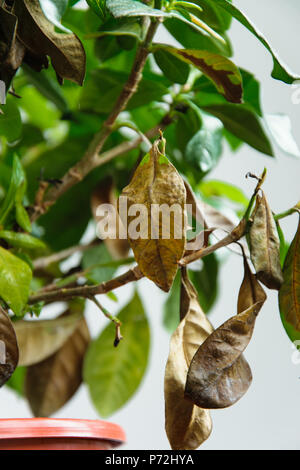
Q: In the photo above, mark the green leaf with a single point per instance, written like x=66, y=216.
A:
x=244, y=124
x=221, y=71
x=280, y=128
x=221, y=189
x=120, y=8
x=172, y=306
x=192, y=7
x=204, y=149
x=114, y=27
x=17, y=380
x=54, y=10
x=173, y=68
x=114, y=374
x=17, y=179
x=22, y=240
x=98, y=255
x=99, y=7
x=218, y=19
x=15, y=278
x=188, y=124
x=10, y=121
x=280, y=70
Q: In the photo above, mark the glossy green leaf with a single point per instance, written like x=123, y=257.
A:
x=22, y=240
x=114, y=374
x=221, y=189
x=218, y=19
x=114, y=27
x=99, y=7
x=10, y=121
x=204, y=149
x=15, y=277
x=120, y=8
x=244, y=124
x=173, y=68
x=280, y=128
x=280, y=70
x=221, y=71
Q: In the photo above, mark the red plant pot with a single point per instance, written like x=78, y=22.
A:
x=59, y=434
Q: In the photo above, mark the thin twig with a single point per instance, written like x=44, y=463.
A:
x=112, y=318
x=90, y=159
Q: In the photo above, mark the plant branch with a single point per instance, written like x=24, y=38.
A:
x=131, y=275
x=91, y=158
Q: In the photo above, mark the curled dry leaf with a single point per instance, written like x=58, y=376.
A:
x=9, y=352
x=40, y=39
x=105, y=194
x=38, y=340
x=265, y=245
x=219, y=375
x=187, y=425
x=156, y=184
x=52, y=382
x=289, y=294
x=12, y=51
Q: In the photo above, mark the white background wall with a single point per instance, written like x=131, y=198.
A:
x=268, y=416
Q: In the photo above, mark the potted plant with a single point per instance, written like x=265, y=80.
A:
x=103, y=123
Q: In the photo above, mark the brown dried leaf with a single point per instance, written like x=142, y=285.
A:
x=38, y=35
x=9, y=352
x=187, y=425
x=38, y=340
x=289, y=294
x=219, y=375
x=105, y=194
x=156, y=181
x=265, y=245
x=11, y=50
x=52, y=382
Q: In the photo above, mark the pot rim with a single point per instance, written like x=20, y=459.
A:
x=20, y=428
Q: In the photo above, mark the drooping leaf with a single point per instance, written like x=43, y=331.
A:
x=9, y=353
x=40, y=339
x=15, y=277
x=281, y=130
x=265, y=245
x=51, y=383
x=114, y=374
x=289, y=293
x=187, y=426
x=38, y=35
x=280, y=70
x=104, y=208
x=204, y=149
x=159, y=243
x=223, y=73
x=244, y=124
x=219, y=375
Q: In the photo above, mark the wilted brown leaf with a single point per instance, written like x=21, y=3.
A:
x=39, y=37
x=187, y=425
x=219, y=375
x=265, y=245
x=9, y=353
x=105, y=194
x=156, y=182
x=52, y=382
x=38, y=340
x=11, y=50
x=289, y=294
